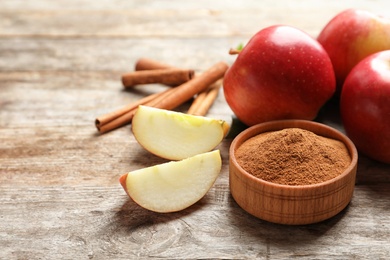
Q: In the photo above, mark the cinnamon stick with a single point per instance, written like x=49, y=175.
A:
x=104, y=119
x=125, y=114
x=161, y=97
x=168, y=99
x=149, y=64
x=205, y=100
x=190, y=88
x=170, y=76
x=197, y=102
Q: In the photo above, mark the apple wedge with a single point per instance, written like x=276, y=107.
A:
x=174, y=135
x=175, y=185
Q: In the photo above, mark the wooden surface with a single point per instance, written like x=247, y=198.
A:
x=60, y=68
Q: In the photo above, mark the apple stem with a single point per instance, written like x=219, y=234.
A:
x=234, y=51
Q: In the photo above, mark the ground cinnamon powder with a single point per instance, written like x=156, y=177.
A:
x=293, y=156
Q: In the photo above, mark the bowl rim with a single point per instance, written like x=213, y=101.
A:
x=291, y=123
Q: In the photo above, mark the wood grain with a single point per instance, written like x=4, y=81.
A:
x=60, y=67
x=100, y=222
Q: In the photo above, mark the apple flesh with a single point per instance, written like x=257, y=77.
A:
x=175, y=185
x=174, y=135
x=365, y=106
x=351, y=36
x=282, y=73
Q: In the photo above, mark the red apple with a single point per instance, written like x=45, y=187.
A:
x=282, y=73
x=351, y=36
x=365, y=106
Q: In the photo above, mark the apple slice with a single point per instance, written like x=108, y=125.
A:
x=175, y=185
x=174, y=135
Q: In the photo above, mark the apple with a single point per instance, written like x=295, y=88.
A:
x=351, y=36
x=281, y=73
x=365, y=106
x=175, y=185
x=174, y=135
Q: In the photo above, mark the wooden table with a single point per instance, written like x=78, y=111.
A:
x=60, y=67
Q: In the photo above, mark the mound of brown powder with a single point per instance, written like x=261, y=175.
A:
x=293, y=156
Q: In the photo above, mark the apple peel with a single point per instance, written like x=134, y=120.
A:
x=175, y=185
x=174, y=135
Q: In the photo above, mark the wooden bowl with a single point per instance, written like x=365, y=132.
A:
x=287, y=204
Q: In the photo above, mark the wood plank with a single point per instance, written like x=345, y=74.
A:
x=183, y=5
x=113, y=55
x=100, y=222
x=170, y=20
